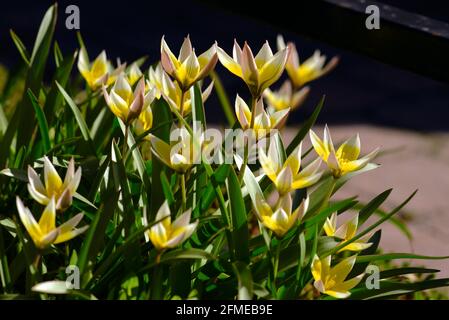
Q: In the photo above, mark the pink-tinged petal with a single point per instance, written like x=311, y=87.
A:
x=206, y=93
x=208, y=67
x=39, y=197
x=301, y=210
x=299, y=97
x=70, y=173
x=249, y=67
x=136, y=107
x=279, y=117
x=47, y=240
x=189, y=230
x=237, y=52
x=186, y=49
x=183, y=220
x=242, y=112
x=280, y=42
x=163, y=212
x=175, y=241
x=36, y=188
x=64, y=201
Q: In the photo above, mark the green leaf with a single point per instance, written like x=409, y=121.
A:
x=394, y=256
x=78, y=116
x=372, y=206
x=168, y=193
x=245, y=280
x=239, y=225
x=21, y=47
x=41, y=120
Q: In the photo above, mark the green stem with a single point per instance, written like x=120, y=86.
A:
x=156, y=281
x=125, y=141
x=277, y=251
x=183, y=193
x=251, y=127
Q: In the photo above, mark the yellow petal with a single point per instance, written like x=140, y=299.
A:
x=48, y=218
x=349, y=150
x=229, y=63
x=53, y=182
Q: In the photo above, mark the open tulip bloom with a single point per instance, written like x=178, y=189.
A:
x=263, y=121
x=288, y=176
x=53, y=187
x=171, y=91
x=285, y=98
x=165, y=234
x=187, y=68
x=332, y=280
x=309, y=70
x=346, y=232
x=258, y=72
x=44, y=233
x=346, y=158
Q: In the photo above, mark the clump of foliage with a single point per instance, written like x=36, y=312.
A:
x=91, y=188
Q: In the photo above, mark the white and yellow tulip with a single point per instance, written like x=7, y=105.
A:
x=133, y=74
x=179, y=155
x=54, y=188
x=311, y=69
x=171, y=91
x=346, y=158
x=125, y=104
x=165, y=234
x=187, y=68
x=258, y=72
x=44, y=233
x=98, y=73
x=346, y=232
x=280, y=219
x=263, y=121
x=285, y=98
x=287, y=176
x=332, y=280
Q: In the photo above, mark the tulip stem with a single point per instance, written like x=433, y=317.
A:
x=246, y=150
x=156, y=281
x=183, y=192
x=125, y=141
x=277, y=250
x=181, y=104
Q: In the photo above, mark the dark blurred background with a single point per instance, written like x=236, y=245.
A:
x=360, y=90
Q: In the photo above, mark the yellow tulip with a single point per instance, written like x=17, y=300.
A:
x=98, y=73
x=44, y=233
x=280, y=219
x=287, y=176
x=263, y=121
x=125, y=104
x=346, y=232
x=187, y=68
x=331, y=280
x=165, y=234
x=171, y=91
x=54, y=187
x=311, y=69
x=179, y=155
x=285, y=98
x=134, y=74
x=258, y=72
x=345, y=159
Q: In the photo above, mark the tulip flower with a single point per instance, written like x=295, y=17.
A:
x=287, y=176
x=125, y=104
x=98, y=73
x=331, y=280
x=263, y=121
x=134, y=74
x=165, y=234
x=44, y=233
x=280, y=219
x=171, y=91
x=187, y=68
x=258, y=72
x=285, y=98
x=54, y=187
x=180, y=155
x=345, y=159
x=346, y=232
x=311, y=69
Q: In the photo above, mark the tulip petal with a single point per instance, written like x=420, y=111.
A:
x=53, y=182
x=160, y=149
x=342, y=269
x=264, y=55
x=28, y=220
x=350, y=149
x=186, y=49
x=284, y=180
x=183, y=220
x=273, y=69
x=229, y=63
x=48, y=218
